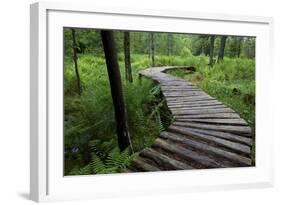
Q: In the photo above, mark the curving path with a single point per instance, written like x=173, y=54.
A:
x=205, y=133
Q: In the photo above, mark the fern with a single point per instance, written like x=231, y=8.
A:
x=114, y=162
x=102, y=148
x=160, y=124
x=97, y=164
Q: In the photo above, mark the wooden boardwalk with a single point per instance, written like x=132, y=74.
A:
x=205, y=133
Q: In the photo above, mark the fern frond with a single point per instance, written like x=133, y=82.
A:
x=97, y=164
x=86, y=170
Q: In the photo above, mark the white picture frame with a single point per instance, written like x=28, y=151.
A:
x=47, y=182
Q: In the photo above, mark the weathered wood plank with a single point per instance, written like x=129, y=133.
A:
x=209, y=138
x=182, y=93
x=142, y=164
x=187, y=154
x=223, y=135
x=127, y=170
x=164, y=161
x=209, y=116
x=199, y=102
x=186, y=113
x=216, y=121
x=188, y=98
x=179, y=88
x=207, y=148
x=191, y=107
x=245, y=130
x=201, y=111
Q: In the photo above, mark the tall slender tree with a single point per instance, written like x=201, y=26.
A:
x=116, y=89
x=75, y=47
x=211, y=55
x=239, y=46
x=221, y=49
x=169, y=43
x=148, y=45
x=152, y=48
x=128, y=68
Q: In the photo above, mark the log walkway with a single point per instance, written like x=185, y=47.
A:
x=204, y=134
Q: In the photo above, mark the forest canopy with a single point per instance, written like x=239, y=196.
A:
x=89, y=41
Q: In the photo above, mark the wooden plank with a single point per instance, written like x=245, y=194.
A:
x=189, y=98
x=223, y=135
x=183, y=88
x=142, y=164
x=209, y=138
x=180, y=88
x=201, y=111
x=188, y=154
x=127, y=170
x=174, y=80
x=207, y=148
x=199, y=102
x=176, y=85
x=245, y=130
x=164, y=161
x=216, y=121
x=182, y=92
x=209, y=116
x=183, y=106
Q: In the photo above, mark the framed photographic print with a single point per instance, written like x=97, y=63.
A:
x=127, y=102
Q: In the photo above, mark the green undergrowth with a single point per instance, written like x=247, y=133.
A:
x=90, y=141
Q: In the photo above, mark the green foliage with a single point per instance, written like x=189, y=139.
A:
x=186, y=52
x=89, y=118
x=115, y=161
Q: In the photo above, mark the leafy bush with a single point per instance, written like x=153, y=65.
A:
x=186, y=52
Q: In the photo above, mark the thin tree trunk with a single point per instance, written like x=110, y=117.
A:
x=148, y=46
x=211, y=55
x=128, y=67
x=169, y=44
x=221, y=49
x=152, y=48
x=238, y=52
x=74, y=47
x=140, y=48
x=116, y=89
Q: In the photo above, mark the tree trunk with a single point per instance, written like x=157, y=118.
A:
x=116, y=89
x=169, y=44
x=221, y=49
x=238, y=52
x=211, y=55
x=127, y=57
x=148, y=46
x=152, y=48
x=74, y=47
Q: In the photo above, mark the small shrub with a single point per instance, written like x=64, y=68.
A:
x=185, y=52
